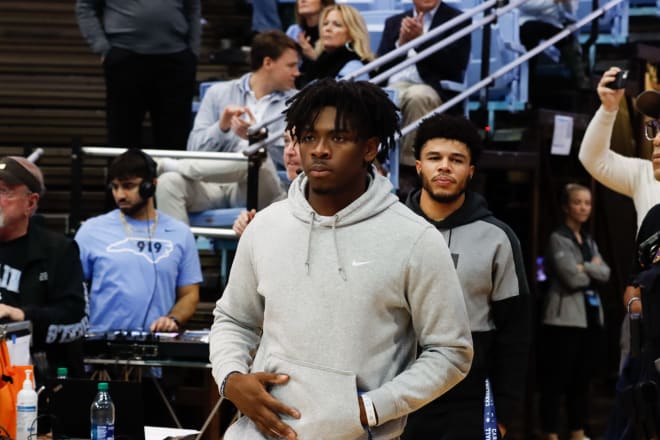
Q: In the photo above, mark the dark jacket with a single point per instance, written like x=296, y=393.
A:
x=489, y=263
x=449, y=63
x=564, y=303
x=327, y=65
x=52, y=294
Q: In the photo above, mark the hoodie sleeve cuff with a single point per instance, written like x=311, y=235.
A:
x=384, y=404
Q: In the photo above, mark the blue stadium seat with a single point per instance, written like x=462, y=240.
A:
x=644, y=8
x=215, y=218
x=218, y=218
x=375, y=20
x=509, y=91
x=203, y=87
x=612, y=27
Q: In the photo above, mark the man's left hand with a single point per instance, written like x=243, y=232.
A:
x=13, y=313
x=164, y=324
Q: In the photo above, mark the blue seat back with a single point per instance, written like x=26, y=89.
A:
x=375, y=21
x=215, y=218
x=509, y=91
x=612, y=27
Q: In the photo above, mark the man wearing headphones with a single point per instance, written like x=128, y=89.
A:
x=142, y=265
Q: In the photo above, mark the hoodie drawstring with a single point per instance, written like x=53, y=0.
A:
x=309, y=241
x=334, y=239
x=340, y=269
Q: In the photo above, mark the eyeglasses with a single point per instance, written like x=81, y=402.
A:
x=651, y=129
x=9, y=194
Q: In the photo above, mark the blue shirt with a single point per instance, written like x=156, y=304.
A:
x=133, y=276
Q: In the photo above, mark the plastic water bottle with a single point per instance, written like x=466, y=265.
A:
x=26, y=410
x=102, y=414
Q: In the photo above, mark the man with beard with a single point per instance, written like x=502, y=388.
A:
x=488, y=260
x=142, y=265
x=40, y=276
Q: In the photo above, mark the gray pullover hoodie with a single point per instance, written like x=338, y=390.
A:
x=340, y=304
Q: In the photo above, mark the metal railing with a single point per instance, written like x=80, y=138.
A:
x=402, y=50
x=515, y=63
x=176, y=154
x=226, y=233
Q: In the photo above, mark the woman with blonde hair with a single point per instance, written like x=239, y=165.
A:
x=342, y=47
x=571, y=334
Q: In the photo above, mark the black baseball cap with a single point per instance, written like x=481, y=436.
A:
x=648, y=102
x=16, y=170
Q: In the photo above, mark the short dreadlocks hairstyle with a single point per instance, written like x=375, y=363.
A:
x=445, y=126
x=361, y=106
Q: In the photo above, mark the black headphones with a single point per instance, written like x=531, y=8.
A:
x=147, y=188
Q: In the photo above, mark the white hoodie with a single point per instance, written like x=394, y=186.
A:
x=340, y=304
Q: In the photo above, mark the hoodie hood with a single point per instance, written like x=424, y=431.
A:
x=376, y=199
x=474, y=208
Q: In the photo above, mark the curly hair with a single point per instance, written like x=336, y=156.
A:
x=445, y=126
x=361, y=106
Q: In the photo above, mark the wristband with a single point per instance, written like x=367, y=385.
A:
x=369, y=410
x=224, y=382
x=632, y=300
x=176, y=321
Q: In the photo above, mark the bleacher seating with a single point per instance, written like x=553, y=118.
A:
x=612, y=27
x=51, y=84
x=644, y=7
x=509, y=91
x=375, y=20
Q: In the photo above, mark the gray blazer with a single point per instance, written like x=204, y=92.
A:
x=564, y=303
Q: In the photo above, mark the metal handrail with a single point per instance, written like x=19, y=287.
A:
x=214, y=232
x=432, y=33
x=437, y=46
x=447, y=41
x=513, y=64
x=178, y=154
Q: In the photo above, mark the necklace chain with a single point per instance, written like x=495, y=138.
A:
x=128, y=228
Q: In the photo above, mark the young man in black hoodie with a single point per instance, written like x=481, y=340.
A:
x=489, y=263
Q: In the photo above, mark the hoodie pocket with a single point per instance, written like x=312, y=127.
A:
x=327, y=399
x=243, y=429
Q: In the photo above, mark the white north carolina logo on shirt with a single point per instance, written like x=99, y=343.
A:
x=151, y=250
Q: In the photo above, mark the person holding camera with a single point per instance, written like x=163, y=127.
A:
x=636, y=408
x=572, y=317
x=631, y=176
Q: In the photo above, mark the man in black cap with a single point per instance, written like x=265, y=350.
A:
x=639, y=371
x=40, y=274
x=648, y=102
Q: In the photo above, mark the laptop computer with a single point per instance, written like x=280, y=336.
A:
x=70, y=401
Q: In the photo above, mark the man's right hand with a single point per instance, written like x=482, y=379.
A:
x=411, y=27
x=232, y=118
x=250, y=395
x=242, y=221
x=609, y=97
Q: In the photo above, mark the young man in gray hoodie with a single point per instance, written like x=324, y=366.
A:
x=333, y=290
x=489, y=263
